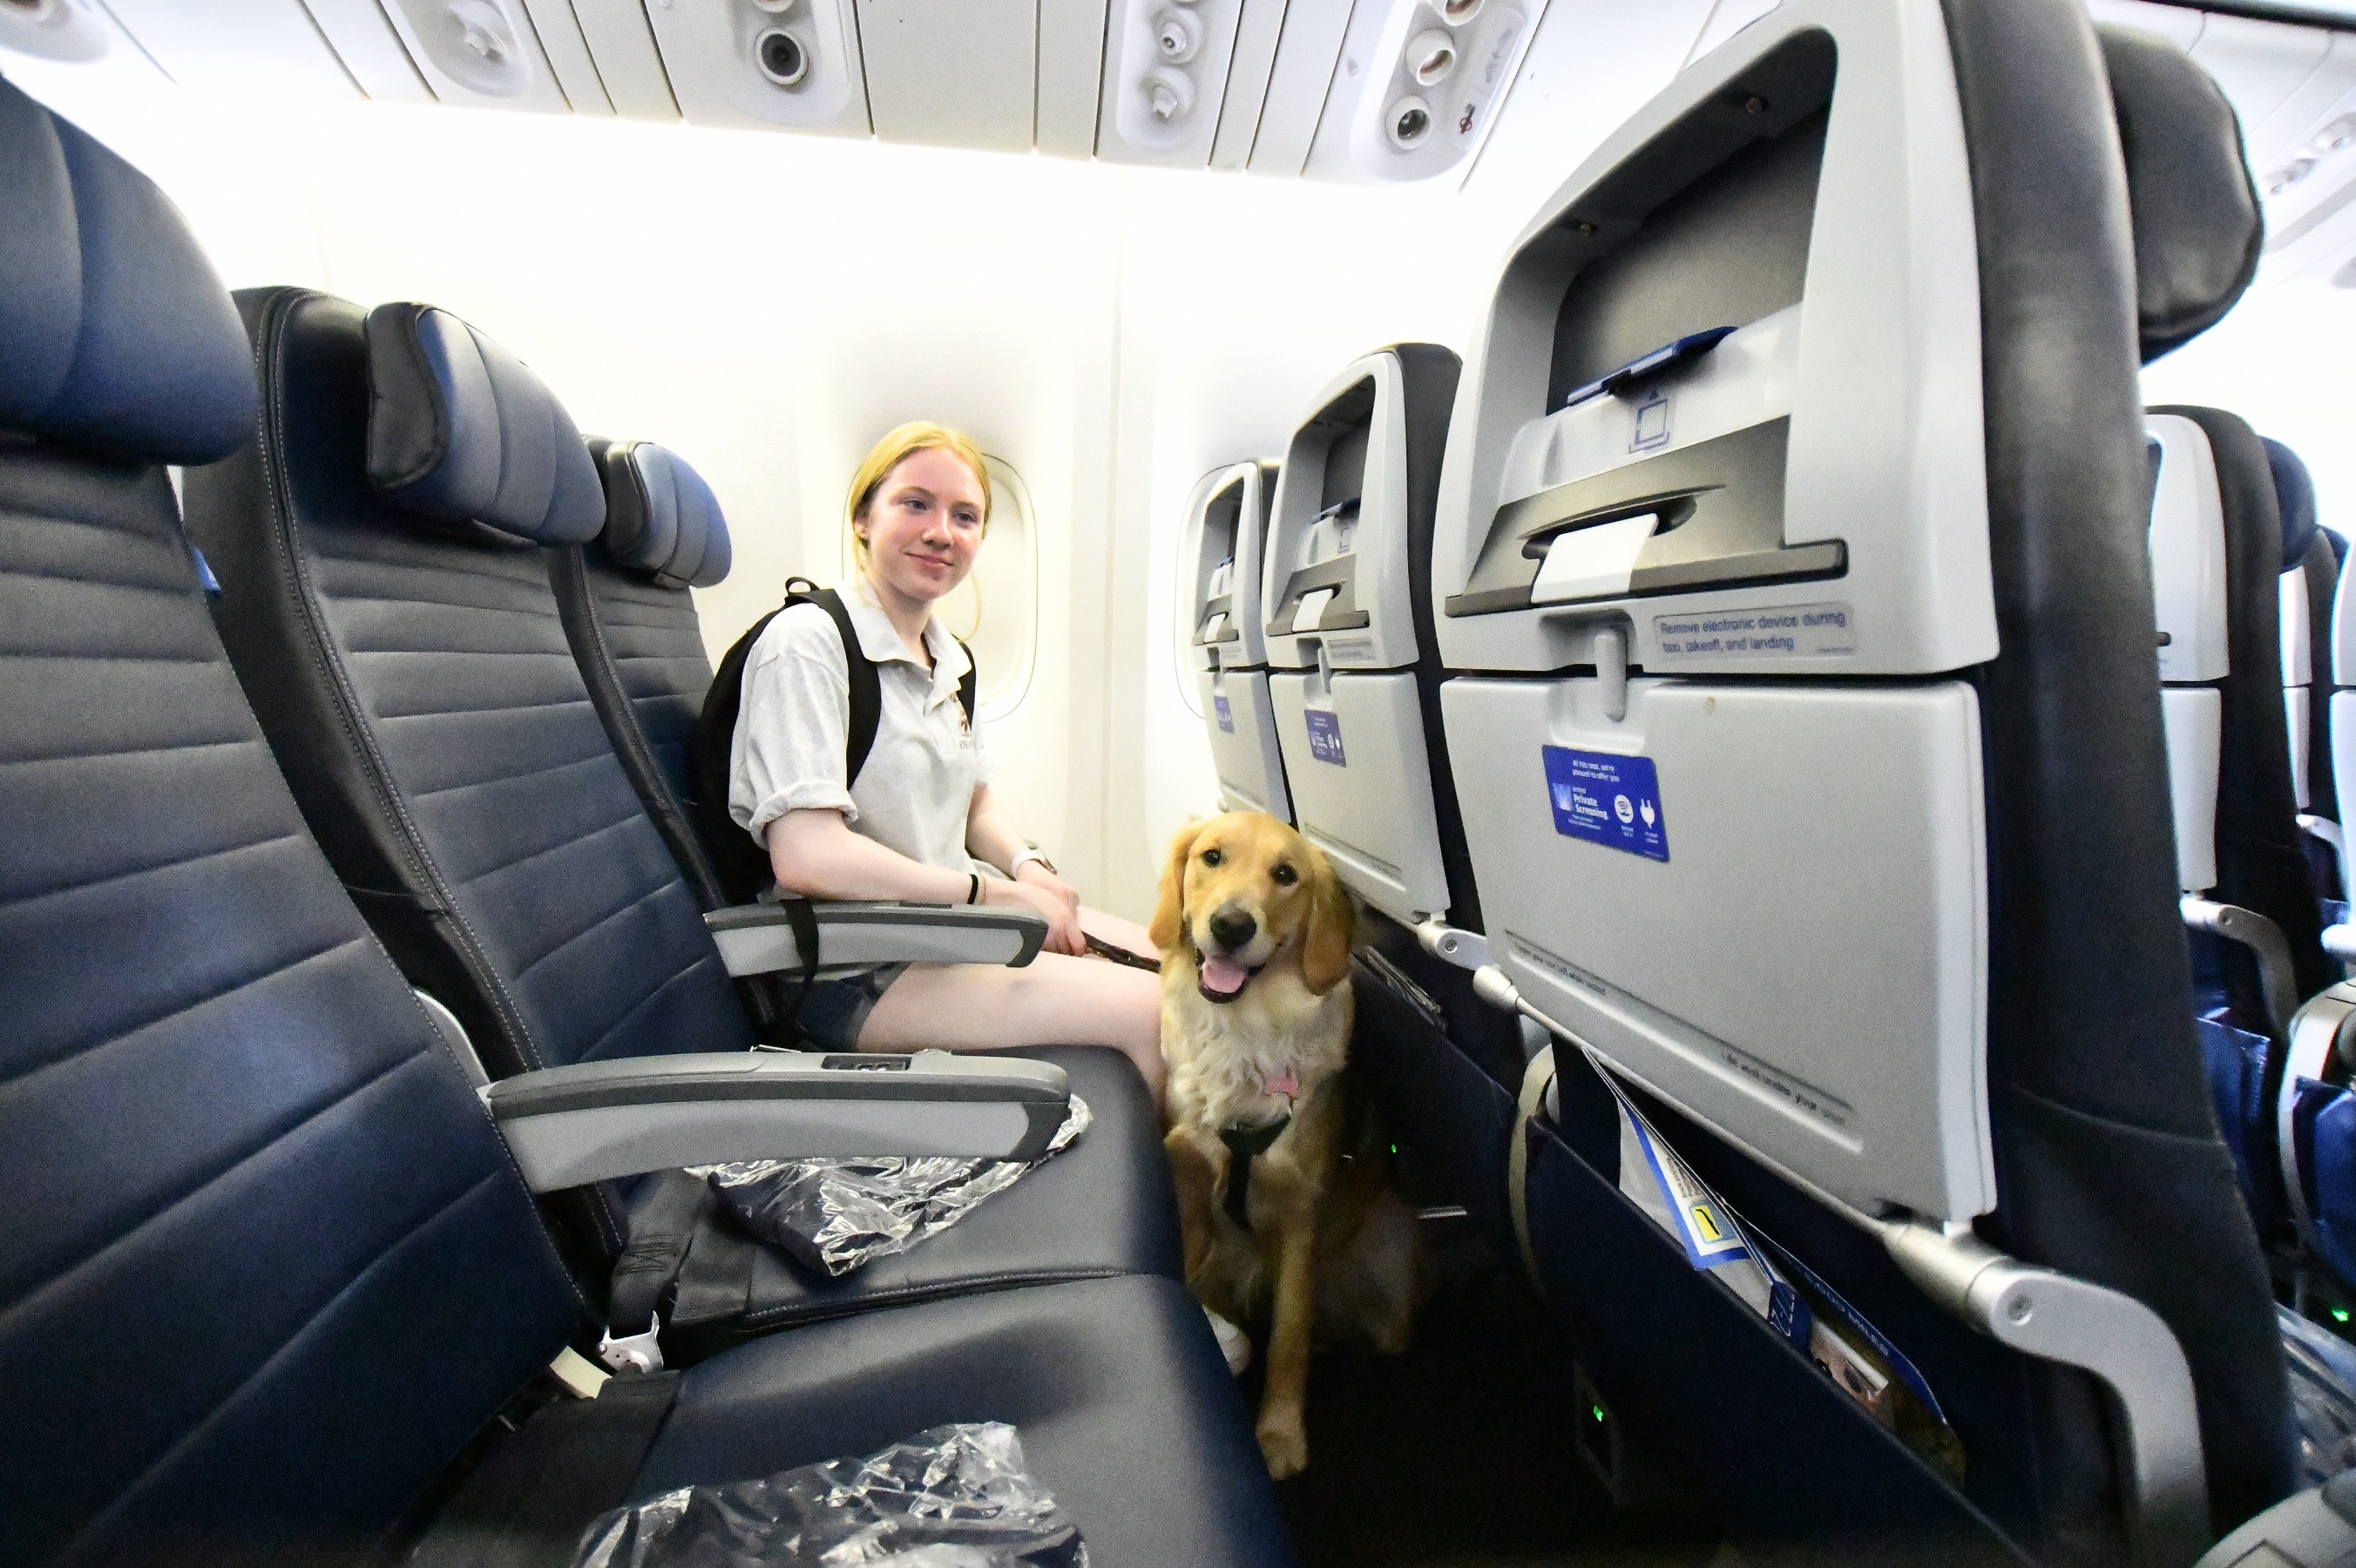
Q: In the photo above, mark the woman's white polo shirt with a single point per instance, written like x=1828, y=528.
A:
x=917, y=787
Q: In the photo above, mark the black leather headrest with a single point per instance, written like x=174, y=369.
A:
x=2198, y=227
x=460, y=430
x=115, y=334
x=2295, y=495
x=662, y=521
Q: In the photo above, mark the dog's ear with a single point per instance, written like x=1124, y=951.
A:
x=1333, y=923
x=1169, y=928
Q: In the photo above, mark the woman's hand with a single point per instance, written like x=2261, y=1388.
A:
x=1059, y=907
x=1032, y=873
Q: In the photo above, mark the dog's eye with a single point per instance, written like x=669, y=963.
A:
x=1212, y=857
x=1285, y=875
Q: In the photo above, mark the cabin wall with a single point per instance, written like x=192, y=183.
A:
x=768, y=305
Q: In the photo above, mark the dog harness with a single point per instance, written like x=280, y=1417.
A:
x=1247, y=1141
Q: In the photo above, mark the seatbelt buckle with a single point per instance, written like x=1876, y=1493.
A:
x=634, y=1353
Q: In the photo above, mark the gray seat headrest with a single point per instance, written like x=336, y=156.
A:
x=116, y=336
x=662, y=521
x=461, y=430
x=2198, y=227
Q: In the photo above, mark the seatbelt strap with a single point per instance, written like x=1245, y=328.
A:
x=803, y=919
x=1536, y=1079
x=526, y=1504
x=662, y=1229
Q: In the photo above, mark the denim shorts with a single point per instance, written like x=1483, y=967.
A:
x=834, y=1011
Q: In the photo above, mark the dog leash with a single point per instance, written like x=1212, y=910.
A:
x=1104, y=949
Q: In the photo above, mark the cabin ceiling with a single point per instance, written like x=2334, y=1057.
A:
x=1356, y=91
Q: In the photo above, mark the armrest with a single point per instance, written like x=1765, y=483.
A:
x=754, y=939
x=572, y=1126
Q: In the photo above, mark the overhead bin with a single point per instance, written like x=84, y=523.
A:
x=791, y=64
x=1420, y=83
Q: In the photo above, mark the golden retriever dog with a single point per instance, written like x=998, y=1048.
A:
x=1288, y=1225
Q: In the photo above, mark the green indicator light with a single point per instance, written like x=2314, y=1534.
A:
x=2340, y=1315
x=1599, y=1409
x=1395, y=1148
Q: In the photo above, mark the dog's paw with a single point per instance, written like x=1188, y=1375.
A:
x=1285, y=1445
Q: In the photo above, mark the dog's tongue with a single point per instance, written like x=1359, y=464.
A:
x=1223, y=977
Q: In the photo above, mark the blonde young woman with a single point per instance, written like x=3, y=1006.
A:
x=921, y=819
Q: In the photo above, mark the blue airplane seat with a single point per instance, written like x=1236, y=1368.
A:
x=2311, y=565
x=2228, y=624
x=382, y=549
x=1790, y=570
x=271, y=1281
x=629, y=613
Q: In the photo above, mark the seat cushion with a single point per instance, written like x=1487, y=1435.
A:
x=1102, y=1206
x=1127, y=1412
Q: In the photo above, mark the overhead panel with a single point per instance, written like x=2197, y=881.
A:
x=1421, y=81
x=622, y=45
x=370, y=50
x=951, y=73
x=2259, y=64
x=1591, y=64
x=69, y=31
x=1258, y=33
x=1727, y=18
x=2178, y=25
x=478, y=54
x=781, y=64
x=238, y=45
x=568, y=56
x=1307, y=56
x=1165, y=76
x=1071, y=75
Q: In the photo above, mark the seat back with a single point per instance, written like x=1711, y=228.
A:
x=2310, y=586
x=2217, y=552
x=382, y=552
x=1355, y=670
x=266, y=1266
x=1792, y=544
x=628, y=608
x=1226, y=645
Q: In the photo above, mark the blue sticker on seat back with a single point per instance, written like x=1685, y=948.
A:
x=1325, y=737
x=1226, y=714
x=1607, y=799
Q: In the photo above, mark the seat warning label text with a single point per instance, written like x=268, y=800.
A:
x=1607, y=799
x=1782, y=632
x=1325, y=737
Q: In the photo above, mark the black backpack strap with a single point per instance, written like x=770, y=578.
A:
x=738, y=862
x=969, y=686
x=866, y=688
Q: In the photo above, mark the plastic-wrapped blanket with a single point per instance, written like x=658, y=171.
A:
x=836, y=1214
x=955, y=1497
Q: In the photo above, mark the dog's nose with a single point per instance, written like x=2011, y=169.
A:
x=1232, y=928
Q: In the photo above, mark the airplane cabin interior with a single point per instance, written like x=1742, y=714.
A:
x=1753, y=591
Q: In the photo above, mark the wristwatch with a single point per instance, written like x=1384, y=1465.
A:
x=1016, y=870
